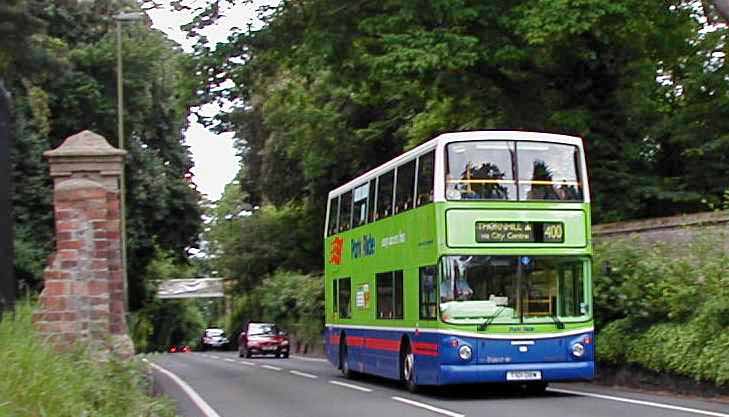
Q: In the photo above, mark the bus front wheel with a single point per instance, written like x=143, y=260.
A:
x=408, y=370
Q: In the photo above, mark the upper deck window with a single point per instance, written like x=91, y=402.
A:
x=426, y=168
x=333, y=216
x=385, y=184
x=481, y=171
x=548, y=171
x=405, y=187
x=516, y=171
x=359, y=210
x=345, y=211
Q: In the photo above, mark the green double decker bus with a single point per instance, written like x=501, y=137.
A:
x=464, y=260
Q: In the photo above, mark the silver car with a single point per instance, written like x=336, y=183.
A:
x=213, y=339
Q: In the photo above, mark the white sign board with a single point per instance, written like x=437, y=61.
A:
x=190, y=288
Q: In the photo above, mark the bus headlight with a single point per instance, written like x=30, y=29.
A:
x=578, y=350
x=464, y=352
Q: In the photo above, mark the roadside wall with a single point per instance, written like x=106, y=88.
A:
x=674, y=230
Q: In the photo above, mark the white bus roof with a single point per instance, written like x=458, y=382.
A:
x=444, y=138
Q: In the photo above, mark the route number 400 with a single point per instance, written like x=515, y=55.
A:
x=554, y=232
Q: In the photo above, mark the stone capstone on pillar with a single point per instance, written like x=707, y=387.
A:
x=83, y=297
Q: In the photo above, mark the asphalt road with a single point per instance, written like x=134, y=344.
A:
x=305, y=387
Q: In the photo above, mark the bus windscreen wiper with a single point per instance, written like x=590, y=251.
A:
x=557, y=321
x=488, y=321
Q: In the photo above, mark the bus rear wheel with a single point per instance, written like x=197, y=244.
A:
x=344, y=360
x=408, y=370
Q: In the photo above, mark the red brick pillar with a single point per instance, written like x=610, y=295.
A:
x=83, y=298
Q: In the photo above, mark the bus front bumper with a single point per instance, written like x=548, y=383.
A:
x=479, y=373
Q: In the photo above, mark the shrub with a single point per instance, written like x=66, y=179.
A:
x=294, y=301
x=663, y=307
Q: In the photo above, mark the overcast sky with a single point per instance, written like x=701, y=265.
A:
x=215, y=161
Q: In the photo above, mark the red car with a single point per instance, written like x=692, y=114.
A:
x=263, y=339
x=180, y=348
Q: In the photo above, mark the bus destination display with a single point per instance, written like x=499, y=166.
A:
x=519, y=232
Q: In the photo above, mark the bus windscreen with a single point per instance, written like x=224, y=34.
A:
x=513, y=170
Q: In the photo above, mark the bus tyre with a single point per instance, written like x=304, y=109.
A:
x=344, y=360
x=408, y=370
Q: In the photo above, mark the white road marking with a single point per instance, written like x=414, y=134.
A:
x=273, y=368
x=352, y=386
x=206, y=409
x=639, y=402
x=303, y=358
x=248, y=363
x=304, y=374
x=428, y=407
x=229, y=360
x=215, y=357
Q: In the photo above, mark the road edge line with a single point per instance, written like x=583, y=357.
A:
x=199, y=402
x=428, y=407
x=640, y=402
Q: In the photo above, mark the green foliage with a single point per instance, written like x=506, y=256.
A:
x=58, y=60
x=163, y=323
x=160, y=324
x=329, y=90
x=294, y=301
x=664, y=308
x=41, y=382
x=247, y=244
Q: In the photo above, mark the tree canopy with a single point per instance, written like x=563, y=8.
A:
x=58, y=60
x=326, y=90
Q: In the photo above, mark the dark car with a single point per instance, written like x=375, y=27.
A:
x=263, y=339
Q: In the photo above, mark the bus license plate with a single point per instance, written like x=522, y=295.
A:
x=523, y=375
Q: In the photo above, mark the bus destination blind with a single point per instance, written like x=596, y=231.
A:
x=519, y=232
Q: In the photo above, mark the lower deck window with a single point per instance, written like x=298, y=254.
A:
x=345, y=298
x=428, y=300
x=389, y=295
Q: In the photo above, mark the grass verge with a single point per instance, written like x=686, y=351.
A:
x=37, y=381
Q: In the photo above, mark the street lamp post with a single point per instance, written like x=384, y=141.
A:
x=120, y=19
x=7, y=277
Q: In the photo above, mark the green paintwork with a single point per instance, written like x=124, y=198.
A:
x=428, y=231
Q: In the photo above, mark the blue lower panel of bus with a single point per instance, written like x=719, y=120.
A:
x=558, y=371
x=379, y=351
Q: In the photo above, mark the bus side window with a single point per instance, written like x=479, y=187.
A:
x=371, y=202
x=425, y=178
x=405, y=187
x=345, y=296
x=389, y=295
x=428, y=297
x=332, y=226
x=384, y=195
x=345, y=212
x=359, y=208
